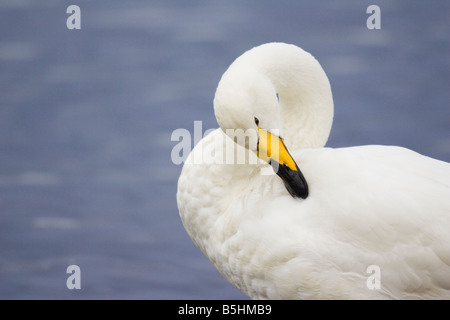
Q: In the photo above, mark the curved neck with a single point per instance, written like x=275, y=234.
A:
x=303, y=89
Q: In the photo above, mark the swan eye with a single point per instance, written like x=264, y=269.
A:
x=256, y=121
x=278, y=97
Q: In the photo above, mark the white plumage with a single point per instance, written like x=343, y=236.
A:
x=367, y=206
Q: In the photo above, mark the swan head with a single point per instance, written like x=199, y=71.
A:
x=247, y=110
x=269, y=91
x=244, y=102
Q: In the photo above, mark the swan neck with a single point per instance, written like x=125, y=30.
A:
x=304, y=93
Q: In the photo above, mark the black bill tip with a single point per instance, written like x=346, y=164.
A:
x=294, y=181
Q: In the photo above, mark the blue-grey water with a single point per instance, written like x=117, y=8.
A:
x=86, y=118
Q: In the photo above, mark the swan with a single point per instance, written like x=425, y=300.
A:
x=283, y=217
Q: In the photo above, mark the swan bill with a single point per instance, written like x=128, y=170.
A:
x=272, y=149
x=294, y=181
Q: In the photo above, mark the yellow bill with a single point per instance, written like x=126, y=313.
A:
x=272, y=149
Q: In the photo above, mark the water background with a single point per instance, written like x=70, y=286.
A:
x=86, y=118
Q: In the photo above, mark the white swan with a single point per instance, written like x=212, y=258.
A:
x=358, y=223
